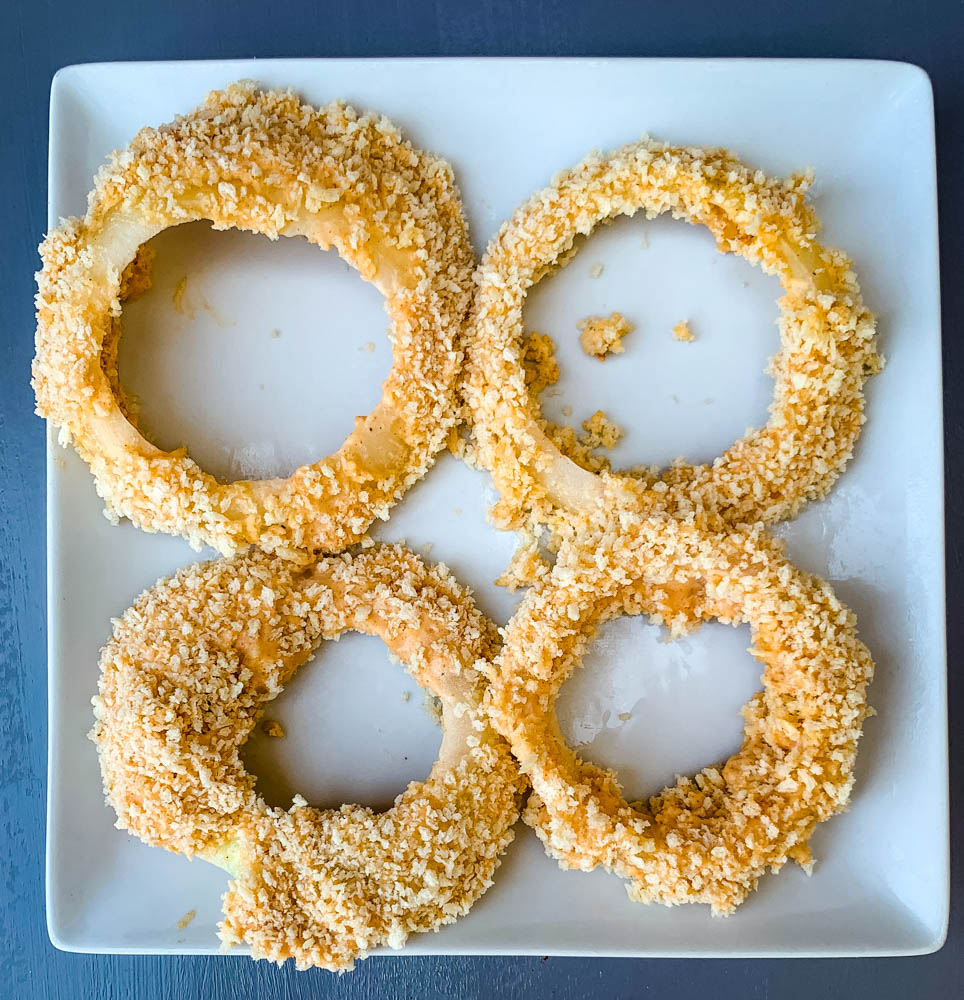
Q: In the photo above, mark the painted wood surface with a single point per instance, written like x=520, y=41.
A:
x=39, y=36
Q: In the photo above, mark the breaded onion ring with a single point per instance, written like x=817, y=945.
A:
x=184, y=680
x=263, y=162
x=709, y=838
x=827, y=335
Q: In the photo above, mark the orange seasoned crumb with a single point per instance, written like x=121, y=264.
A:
x=527, y=566
x=600, y=431
x=602, y=335
x=539, y=362
x=683, y=332
x=456, y=444
x=136, y=279
x=273, y=728
x=186, y=919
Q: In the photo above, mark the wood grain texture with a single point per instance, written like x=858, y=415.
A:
x=39, y=36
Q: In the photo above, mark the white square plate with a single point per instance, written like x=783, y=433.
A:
x=242, y=372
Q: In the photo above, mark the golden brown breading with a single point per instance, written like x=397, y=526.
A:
x=827, y=347
x=185, y=678
x=265, y=162
x=708, y=838
x=539, y=361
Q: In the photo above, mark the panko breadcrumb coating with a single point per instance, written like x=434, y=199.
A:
x=528, y=564
x=602, y=335
x=265, y=162
x=827, y=347
x=708, y=838
x=184, y=680
x=539, y=361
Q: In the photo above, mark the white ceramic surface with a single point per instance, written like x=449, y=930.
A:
x=277, y=346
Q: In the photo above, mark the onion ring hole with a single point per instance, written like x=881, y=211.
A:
x=657, y=272
x=226, y=352
x=334, y=747
x=653, y=709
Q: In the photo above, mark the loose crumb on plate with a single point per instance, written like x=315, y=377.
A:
x=186, y=919
x=602, y=335
x=682, y=331
x=597, y=270
x=273, y=728
x=600, y=431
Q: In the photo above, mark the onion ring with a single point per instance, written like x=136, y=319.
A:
x=184, y=679
x=265, y=162
x=827, y=335
x=707, y=839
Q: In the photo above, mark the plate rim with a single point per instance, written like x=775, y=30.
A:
x=912, y=72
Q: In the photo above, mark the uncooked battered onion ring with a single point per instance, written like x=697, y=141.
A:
x=263, y=162
x=707, y=839
x=184, y=680
x=828, y=344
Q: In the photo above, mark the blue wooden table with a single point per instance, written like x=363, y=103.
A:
x=37, y=37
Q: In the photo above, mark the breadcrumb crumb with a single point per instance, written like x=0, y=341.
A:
x=539, y=362
x=600, y=431
x=527, y=566
x=683, y=332
x=602, y=335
